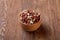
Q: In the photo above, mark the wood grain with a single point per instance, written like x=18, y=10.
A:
x=50, y=16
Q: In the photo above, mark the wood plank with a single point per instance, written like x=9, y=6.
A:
x=57, y=20
x=50, y=15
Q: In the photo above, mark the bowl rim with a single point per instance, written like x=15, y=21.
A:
x=25, y=23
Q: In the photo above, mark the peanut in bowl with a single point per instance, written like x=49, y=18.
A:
x=30, y=20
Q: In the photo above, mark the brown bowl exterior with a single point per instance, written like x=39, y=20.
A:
x=32, y=27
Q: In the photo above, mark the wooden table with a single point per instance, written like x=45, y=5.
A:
x=11, y=28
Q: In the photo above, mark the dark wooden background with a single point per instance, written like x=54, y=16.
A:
x=50, y=15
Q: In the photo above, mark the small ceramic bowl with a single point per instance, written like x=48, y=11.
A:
x=30, y=27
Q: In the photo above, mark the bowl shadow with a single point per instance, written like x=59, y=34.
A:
x=43, y=32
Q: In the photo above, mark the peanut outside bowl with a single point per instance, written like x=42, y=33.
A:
x=30, y=27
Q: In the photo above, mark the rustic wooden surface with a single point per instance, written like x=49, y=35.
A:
x=50, y=15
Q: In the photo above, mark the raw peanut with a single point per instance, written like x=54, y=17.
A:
x=29, y=17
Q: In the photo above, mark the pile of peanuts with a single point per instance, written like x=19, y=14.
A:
x=29, y=17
